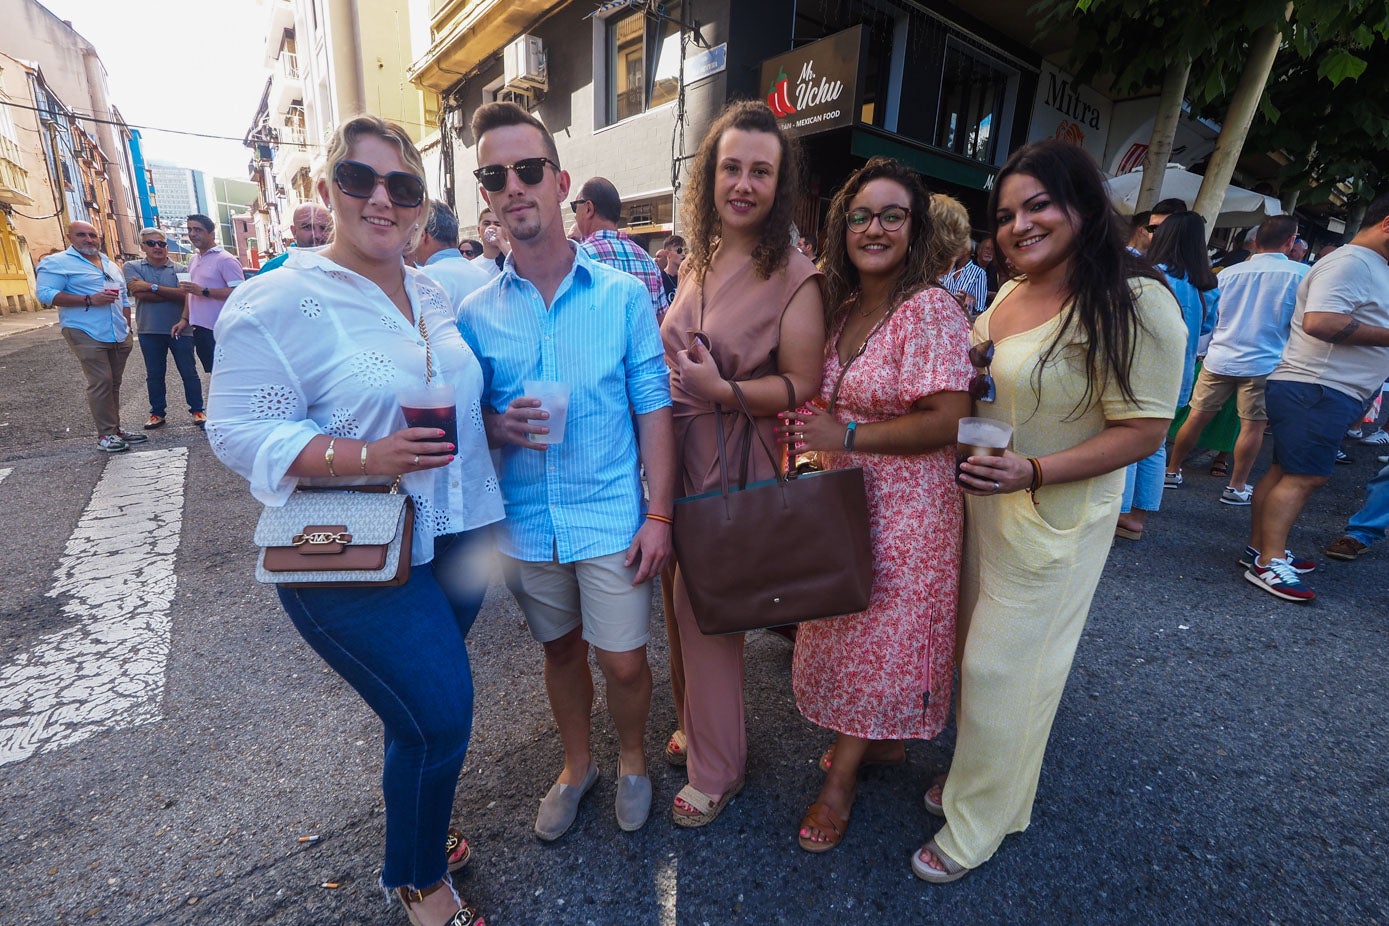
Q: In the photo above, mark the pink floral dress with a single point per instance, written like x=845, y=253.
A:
x=885, y=673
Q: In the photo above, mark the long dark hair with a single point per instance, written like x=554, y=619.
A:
x=701, y=216
x=841, y=276
x=1102, y=300
x=1179, y=245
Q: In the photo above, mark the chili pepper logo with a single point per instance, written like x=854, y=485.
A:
x=779, y=95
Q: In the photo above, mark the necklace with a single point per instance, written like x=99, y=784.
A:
x=864, y=313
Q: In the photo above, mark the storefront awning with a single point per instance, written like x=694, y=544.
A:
x=866, y=143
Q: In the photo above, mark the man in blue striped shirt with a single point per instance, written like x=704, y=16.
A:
x=580, y=551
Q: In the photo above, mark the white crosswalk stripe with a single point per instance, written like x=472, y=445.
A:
x=116, y=580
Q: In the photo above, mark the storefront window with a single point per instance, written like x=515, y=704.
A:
x=973, y=96
x=643, y=61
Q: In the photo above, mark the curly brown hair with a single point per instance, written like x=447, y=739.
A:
x=841, y=276
x=700, y=215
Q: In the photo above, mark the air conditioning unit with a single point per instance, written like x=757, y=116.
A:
x=523, y=65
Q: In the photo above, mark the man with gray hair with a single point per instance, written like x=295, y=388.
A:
x=438, y=256
x=596, y=213
x=153, y=284
x=88, y=290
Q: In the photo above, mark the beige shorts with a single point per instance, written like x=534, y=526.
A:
x=1212, y=390
x=596, y=594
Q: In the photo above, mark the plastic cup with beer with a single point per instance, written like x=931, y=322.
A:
x=980, y=437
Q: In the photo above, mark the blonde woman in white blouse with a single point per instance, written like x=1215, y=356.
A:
x=310, y=358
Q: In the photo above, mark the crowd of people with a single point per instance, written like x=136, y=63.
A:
x=861, y=345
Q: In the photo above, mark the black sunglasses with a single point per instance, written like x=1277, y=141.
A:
x=358, y=180
x=981, y=386
x=155, y=244
x=1150, y=229
x=530, y=171
x=574, y=204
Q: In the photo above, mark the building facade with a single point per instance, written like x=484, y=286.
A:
x=75, y=75
x=182, y=192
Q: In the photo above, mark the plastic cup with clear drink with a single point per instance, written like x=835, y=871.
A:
x=554, y=398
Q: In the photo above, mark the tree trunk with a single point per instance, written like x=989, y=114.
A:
x=1164, y=131
x=1263, y=46
x=1354, y=220
x=1290, y=199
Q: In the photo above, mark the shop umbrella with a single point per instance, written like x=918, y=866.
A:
x=1241, y=208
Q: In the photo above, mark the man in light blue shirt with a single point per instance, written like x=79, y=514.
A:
x=580, y=548
x=1257, y=298
x=88, y=289
x=438, y=256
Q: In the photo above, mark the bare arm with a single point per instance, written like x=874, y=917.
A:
x=932, y=423
x=652, y=548
x=1121, y=442
x=1340, y=328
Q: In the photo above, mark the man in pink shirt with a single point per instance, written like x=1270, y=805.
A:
x=212, y=274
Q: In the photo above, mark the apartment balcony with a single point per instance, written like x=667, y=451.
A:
x=286, y=85
x=14, y=179
x=467, y=31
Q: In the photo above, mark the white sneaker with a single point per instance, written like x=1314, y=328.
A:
x=1233, y=496
x=112, y=443
x=1378, y=438
x=1354, y=434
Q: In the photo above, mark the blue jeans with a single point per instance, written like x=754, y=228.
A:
x=1143, y=482
x=402, y=649
x=1369, y=523
x=204, y=344
x=156, y=349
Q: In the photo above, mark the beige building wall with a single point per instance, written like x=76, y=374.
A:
x=74, y=70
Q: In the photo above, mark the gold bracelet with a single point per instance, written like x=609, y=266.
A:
x=364, y=458
x=328, y=455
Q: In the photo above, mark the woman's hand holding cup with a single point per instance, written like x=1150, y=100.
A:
x=408, y=450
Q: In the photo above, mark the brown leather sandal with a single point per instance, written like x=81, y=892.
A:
x=466, y=916
x=458, y=852
x=822, y=817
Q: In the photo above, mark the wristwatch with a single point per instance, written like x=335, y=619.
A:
x=206, y=292
x=154, y=287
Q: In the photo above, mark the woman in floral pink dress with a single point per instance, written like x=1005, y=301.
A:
x=895, y=385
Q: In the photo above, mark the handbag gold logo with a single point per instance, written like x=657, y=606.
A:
x=316, y=538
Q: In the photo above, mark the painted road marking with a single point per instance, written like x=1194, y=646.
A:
x=117, y=581
x=5, y=472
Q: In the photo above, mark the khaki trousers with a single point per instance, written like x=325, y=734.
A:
x=102, y=362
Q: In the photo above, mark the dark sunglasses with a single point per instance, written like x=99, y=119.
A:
x=1150, y=229
x=981, y=386
x=530, y=171
x=574, y=204
x=155, y=244
x=678, y=250
x=358, y=180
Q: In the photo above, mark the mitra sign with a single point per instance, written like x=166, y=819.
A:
x=815, y=88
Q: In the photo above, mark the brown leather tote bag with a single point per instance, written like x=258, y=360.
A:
x=782, y=551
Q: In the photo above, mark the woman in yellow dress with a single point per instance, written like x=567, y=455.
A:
x=1082, y=356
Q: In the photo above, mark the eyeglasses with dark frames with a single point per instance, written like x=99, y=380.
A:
x=155, y=244
x=890, y=219
x=358, y=180
x=574, y=204
x=981, y=386
x=530, y=171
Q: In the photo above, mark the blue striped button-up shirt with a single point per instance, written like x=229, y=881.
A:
x=582, y=497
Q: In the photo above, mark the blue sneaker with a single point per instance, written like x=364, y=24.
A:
x=1278, y=578
x=1301, y=564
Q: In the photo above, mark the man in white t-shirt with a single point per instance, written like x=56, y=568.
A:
x=1257, y=299
x=1337, y=357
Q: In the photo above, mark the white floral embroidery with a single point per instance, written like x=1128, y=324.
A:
x=219, y=356
x=491, y=485
x=311, y=307
x=391, y=322
x=218, y=439
x=374, y=369
x=273, y=401
x=475, y=413
x=342, y=423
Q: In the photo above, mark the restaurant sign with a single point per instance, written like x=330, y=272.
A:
x=815, y=88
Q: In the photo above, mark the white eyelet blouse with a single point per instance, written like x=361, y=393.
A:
x=314, y=348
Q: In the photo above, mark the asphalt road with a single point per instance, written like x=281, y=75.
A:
x=1219, y=756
